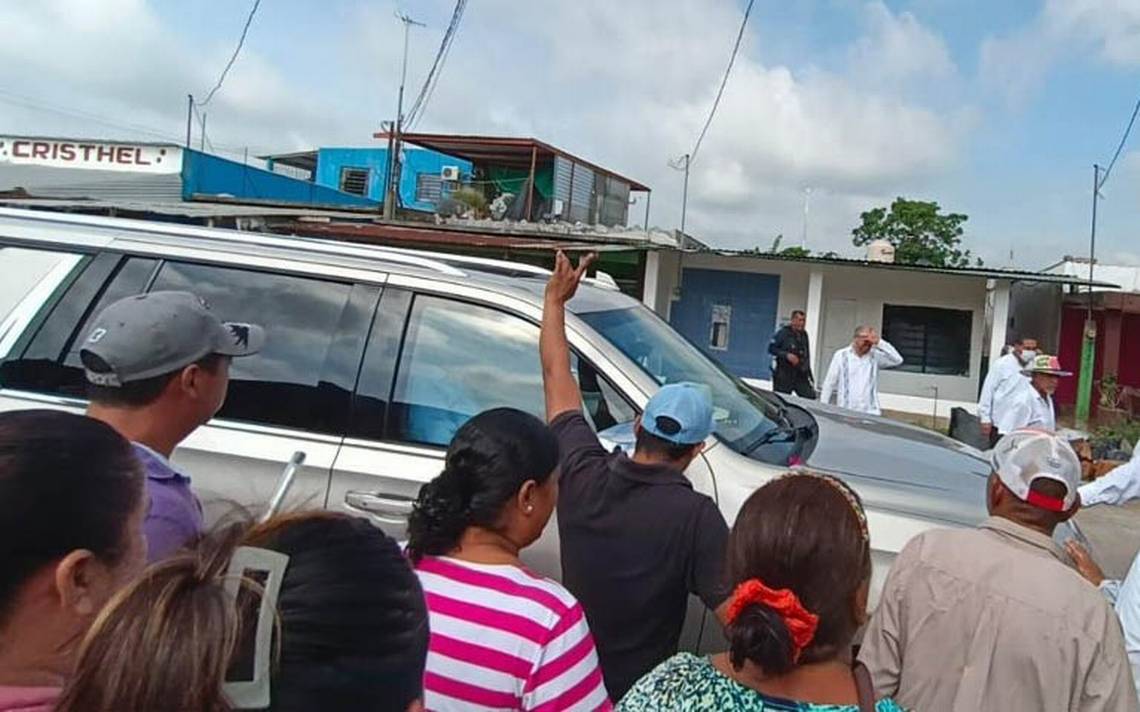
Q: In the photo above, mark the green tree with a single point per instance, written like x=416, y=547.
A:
x=919, y=231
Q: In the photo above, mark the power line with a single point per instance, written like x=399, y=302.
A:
x=723, y=83
x=8, y=97
x=233, y=58
x=432, y=79
x=1120, y=147
x=38, y=105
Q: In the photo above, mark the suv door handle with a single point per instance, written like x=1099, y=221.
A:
x=387, y=509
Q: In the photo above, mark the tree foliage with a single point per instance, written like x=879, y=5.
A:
x=919, y=231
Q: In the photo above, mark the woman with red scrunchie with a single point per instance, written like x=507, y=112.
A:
x=800, y=559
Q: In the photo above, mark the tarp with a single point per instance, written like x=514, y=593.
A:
x=511, y=180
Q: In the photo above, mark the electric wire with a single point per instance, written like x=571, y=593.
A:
x=723, y=83
x=234, y=56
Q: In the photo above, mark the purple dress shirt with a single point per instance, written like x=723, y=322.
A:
x=175, y=516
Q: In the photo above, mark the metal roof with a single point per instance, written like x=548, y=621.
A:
x=504, y=151
x=184, y=209
x=89, y=233
x=305, y=160
x=439, y=236
x=980, y=272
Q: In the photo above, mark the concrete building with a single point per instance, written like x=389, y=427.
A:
x=1059, y=314
x=948, y=323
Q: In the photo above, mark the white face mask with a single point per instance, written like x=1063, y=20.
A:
x=1027, y=357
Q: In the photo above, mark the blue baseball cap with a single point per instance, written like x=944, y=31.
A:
x=681, y=413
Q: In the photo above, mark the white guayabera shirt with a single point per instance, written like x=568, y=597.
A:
x=854, y=379
x=1027, y=409
x=1002, y=383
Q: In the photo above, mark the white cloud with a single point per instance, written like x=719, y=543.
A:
x=898, y=49
x=1016, y=64
x=624, y=84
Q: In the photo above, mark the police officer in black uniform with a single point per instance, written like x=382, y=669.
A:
x=792, y=370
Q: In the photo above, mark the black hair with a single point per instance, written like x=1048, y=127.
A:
x=136, y=394
x=798, y=312
x=67, y=482
x=353, y=621
x=650, y=444
x=351, y=633
x=490, y=458
x=803, y=533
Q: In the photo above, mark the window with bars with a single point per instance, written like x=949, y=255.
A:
x=354, y=180
x=931, y=340
x=429, y=188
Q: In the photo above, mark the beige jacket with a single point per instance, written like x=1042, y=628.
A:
x=992, y=619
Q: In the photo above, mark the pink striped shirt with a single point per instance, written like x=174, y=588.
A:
x=503, y=638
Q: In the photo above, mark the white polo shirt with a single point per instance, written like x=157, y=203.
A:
x=1027, y=409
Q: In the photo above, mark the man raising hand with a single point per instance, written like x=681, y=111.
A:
x=636, y=538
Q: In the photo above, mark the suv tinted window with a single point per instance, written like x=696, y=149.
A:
x=460, y=359
x=131, y=279
x=50, y=364
x=283, y=385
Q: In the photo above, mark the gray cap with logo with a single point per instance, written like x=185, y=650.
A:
x=154, y=334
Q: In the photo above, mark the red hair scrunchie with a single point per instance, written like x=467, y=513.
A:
x=801, y=622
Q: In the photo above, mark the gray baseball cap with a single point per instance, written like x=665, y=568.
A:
x=153, y=334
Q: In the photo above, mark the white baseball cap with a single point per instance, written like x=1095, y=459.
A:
x=1025, y=456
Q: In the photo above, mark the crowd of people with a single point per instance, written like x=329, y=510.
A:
x=114, y=596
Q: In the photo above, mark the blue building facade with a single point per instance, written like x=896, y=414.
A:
x=730, y=316
x=363, y=171
x=205, y=176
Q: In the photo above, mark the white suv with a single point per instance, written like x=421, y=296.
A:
x=375, y=356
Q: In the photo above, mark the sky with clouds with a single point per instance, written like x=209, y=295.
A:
x=994, y=109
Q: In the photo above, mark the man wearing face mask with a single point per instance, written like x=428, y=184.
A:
x=1002, y=384
x=853, y=376
x=1033, y=407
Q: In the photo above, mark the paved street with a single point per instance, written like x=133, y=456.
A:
x=1114, y=533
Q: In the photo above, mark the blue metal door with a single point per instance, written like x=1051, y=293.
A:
x=730, y=316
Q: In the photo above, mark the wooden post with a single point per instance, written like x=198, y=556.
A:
x=530, y=186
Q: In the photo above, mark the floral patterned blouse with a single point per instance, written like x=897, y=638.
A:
x=688, y=683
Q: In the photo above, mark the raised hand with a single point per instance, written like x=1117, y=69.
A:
x=565, y=279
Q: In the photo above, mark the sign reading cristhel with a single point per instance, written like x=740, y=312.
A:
x=90, y=155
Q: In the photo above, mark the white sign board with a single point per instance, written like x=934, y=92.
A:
x=90, y=155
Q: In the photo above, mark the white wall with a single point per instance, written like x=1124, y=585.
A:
x=869, y=288
x=872, y=288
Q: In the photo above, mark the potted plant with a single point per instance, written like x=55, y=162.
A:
x=1110, y=397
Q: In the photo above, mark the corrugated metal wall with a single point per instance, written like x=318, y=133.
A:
x=563, y=174
x=98, y=185
x=582, y=195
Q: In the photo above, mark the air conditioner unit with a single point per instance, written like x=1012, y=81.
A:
x=449, y=173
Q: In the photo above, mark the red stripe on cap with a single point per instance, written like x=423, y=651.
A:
x=1045, y=501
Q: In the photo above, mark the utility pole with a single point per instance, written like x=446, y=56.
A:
x=189, y=116
x=687, y=159
x=202, y=138
x=394, y=165
x=807, y=205
x=1088, y=344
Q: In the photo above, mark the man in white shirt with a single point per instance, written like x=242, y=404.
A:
x=1124, y=595
x=1002, y=382
x=853, y=376
x=1115, y=487
x=1033, y=407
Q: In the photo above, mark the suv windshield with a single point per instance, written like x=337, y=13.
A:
x=743, y=416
